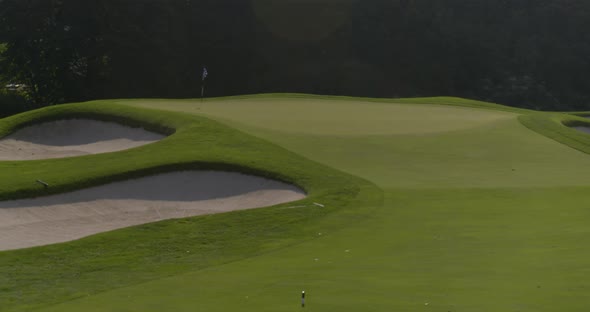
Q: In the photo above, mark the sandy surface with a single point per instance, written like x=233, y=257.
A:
x=65, y=217
x=583, y=129
x=73, y=137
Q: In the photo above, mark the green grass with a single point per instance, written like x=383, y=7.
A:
x=465, y=252
x=44, y=275
x=557, y=126
x=424, y=146
x=480, y=214
x=337, y=117
x=440, y=100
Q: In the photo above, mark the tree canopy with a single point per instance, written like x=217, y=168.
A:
x=524, y=53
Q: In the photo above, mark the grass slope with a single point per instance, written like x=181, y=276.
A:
x=480, y=213
x=557, y=126
x=460, y=229
x=40, y=276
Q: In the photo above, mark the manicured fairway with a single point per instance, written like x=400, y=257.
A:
x=461, y=252
x=480, y=214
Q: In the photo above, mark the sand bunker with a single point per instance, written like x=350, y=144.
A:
x=65, y=217
x=72, y=137
x=583, y=129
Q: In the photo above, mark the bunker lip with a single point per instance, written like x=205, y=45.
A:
x=72, y=137
x=69, y=216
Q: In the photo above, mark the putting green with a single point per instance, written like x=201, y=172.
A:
x=493, y=150
x=336, y=117
x=486, y=215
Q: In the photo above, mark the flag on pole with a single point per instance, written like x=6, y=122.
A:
x=205, y=73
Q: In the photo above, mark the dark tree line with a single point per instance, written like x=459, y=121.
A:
x=518, y=52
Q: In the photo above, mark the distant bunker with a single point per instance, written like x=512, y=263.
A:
x=584, y=129
x=73, y=215
x=72, y=137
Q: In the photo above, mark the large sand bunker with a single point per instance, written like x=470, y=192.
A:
x=72, y=137
x=65, y=217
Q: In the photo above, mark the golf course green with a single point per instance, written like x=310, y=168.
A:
x=429, y=204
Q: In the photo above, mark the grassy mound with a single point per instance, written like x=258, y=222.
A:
x=49, y=274
x=558, y=126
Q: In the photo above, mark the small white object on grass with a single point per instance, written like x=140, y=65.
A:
x=319, y=205
x=290, y=207
x=303, y=298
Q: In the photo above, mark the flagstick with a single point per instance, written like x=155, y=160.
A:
x=202, y=91
x=203, y=76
